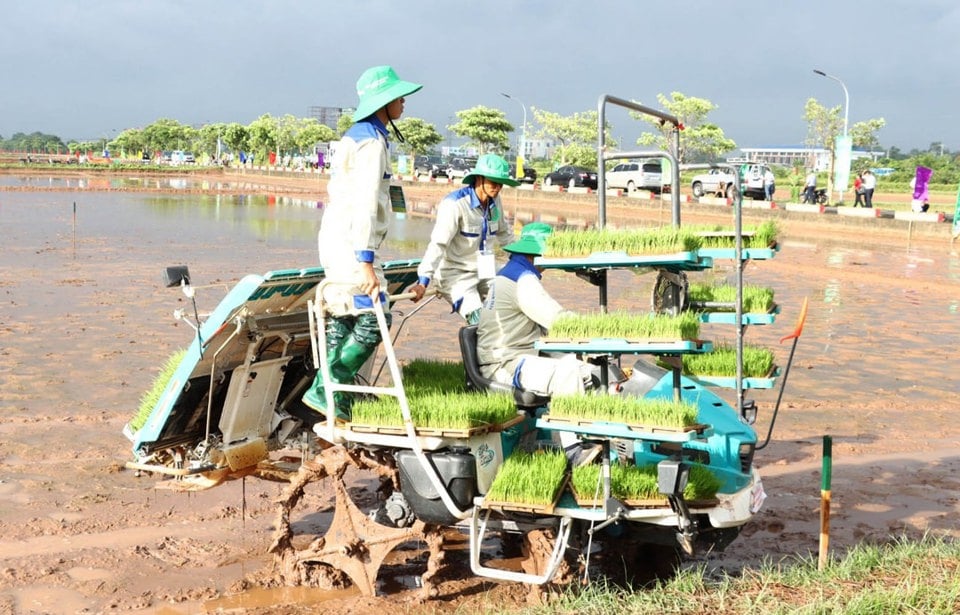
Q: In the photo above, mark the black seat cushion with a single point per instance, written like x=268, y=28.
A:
x=476, y=380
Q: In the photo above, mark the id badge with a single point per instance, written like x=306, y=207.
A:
x=486, y=265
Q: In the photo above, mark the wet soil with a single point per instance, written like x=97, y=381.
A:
x=84, y=325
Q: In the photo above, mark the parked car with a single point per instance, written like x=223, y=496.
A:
x=571, y=176
x=529, y=173
x=721, y=181
x=430, y=166
x=459, y=167
x=636, y=175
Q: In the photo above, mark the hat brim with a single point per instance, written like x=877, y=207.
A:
x=373, y=103
x=525, y=246
x=507, y=181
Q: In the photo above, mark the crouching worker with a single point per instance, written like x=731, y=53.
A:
x=517, y=312
x=460, y=256
x=353, y=227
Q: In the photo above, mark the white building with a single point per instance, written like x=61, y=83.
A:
x=791, y=156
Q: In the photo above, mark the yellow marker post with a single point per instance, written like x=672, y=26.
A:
x=825, y=501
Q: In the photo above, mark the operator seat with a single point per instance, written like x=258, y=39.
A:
x=525, y=400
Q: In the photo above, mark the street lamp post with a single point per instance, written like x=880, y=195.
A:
x=846, y=110
x=521, y=154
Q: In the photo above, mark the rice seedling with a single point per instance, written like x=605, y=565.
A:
x=631, y=483
x=624, y=409
x=626, y=325
x=661, y=240
x=427, y=375
x=529, y=478
x=437, y=410
x=150, y=398
x=757, y=362
x=763, y=235
x=756, y=299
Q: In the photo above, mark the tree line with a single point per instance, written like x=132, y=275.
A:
x=487, y=129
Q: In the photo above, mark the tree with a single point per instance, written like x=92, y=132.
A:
x=344, y=122
x=864, y=134
x=484, y=127
x=236, y=137
x=576, y=135
x=263, y=136
x=419, y=136
x=699, y=140
x=167, y=134
x=311, y=132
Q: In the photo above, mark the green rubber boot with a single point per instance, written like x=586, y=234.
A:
x=359, y=346
x=337, y=330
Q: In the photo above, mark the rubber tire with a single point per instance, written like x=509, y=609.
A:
x=697, y=189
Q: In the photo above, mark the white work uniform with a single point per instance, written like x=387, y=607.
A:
x=355, y=220
x=463, y=234
x=515, y=315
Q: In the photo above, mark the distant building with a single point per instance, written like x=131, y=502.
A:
x=792, y=155
x=328, y=116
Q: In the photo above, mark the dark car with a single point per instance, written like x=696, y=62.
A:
x=572, y=176
x=431, y=166
x=459, y=167
x=529, y=173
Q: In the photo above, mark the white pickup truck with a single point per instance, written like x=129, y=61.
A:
x=721, y=181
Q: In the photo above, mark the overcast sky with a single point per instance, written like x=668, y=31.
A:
x=92, y=68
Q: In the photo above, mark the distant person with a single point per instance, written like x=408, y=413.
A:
x=352, y=231
x=810, y=187
x=858, y=190
x=460, y=256
x=769, y=183
x=869, y=184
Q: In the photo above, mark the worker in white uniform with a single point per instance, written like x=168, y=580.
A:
x=354, y=226
x=460, y=257
x=517, y=312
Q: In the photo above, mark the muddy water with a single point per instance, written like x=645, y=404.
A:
x=875, y=363
x=881, y=329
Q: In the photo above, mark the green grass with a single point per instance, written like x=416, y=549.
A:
x=905, y=576
x=722, y=361
x=661, y=240
x=756, y=299
x=150, y=398
x=640, y=482
x=624, y=409
x=529, y=478
x=626, y=325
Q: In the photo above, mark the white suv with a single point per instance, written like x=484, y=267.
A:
x=721, y=181
x=636, y=175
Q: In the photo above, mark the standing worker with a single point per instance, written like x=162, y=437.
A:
x=810, y=188
x=354, y=226
x=460, y=255
x=869, y=185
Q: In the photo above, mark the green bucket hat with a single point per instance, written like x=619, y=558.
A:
x=494, y=168
x=533, y=239
x=377, y=87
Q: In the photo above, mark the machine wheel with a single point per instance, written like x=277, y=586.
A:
x=547, y=181
x=697, y=189
x=572, y=183
x=669, y=293
x=631, y=187
x=731, y=192
x=353, y=546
